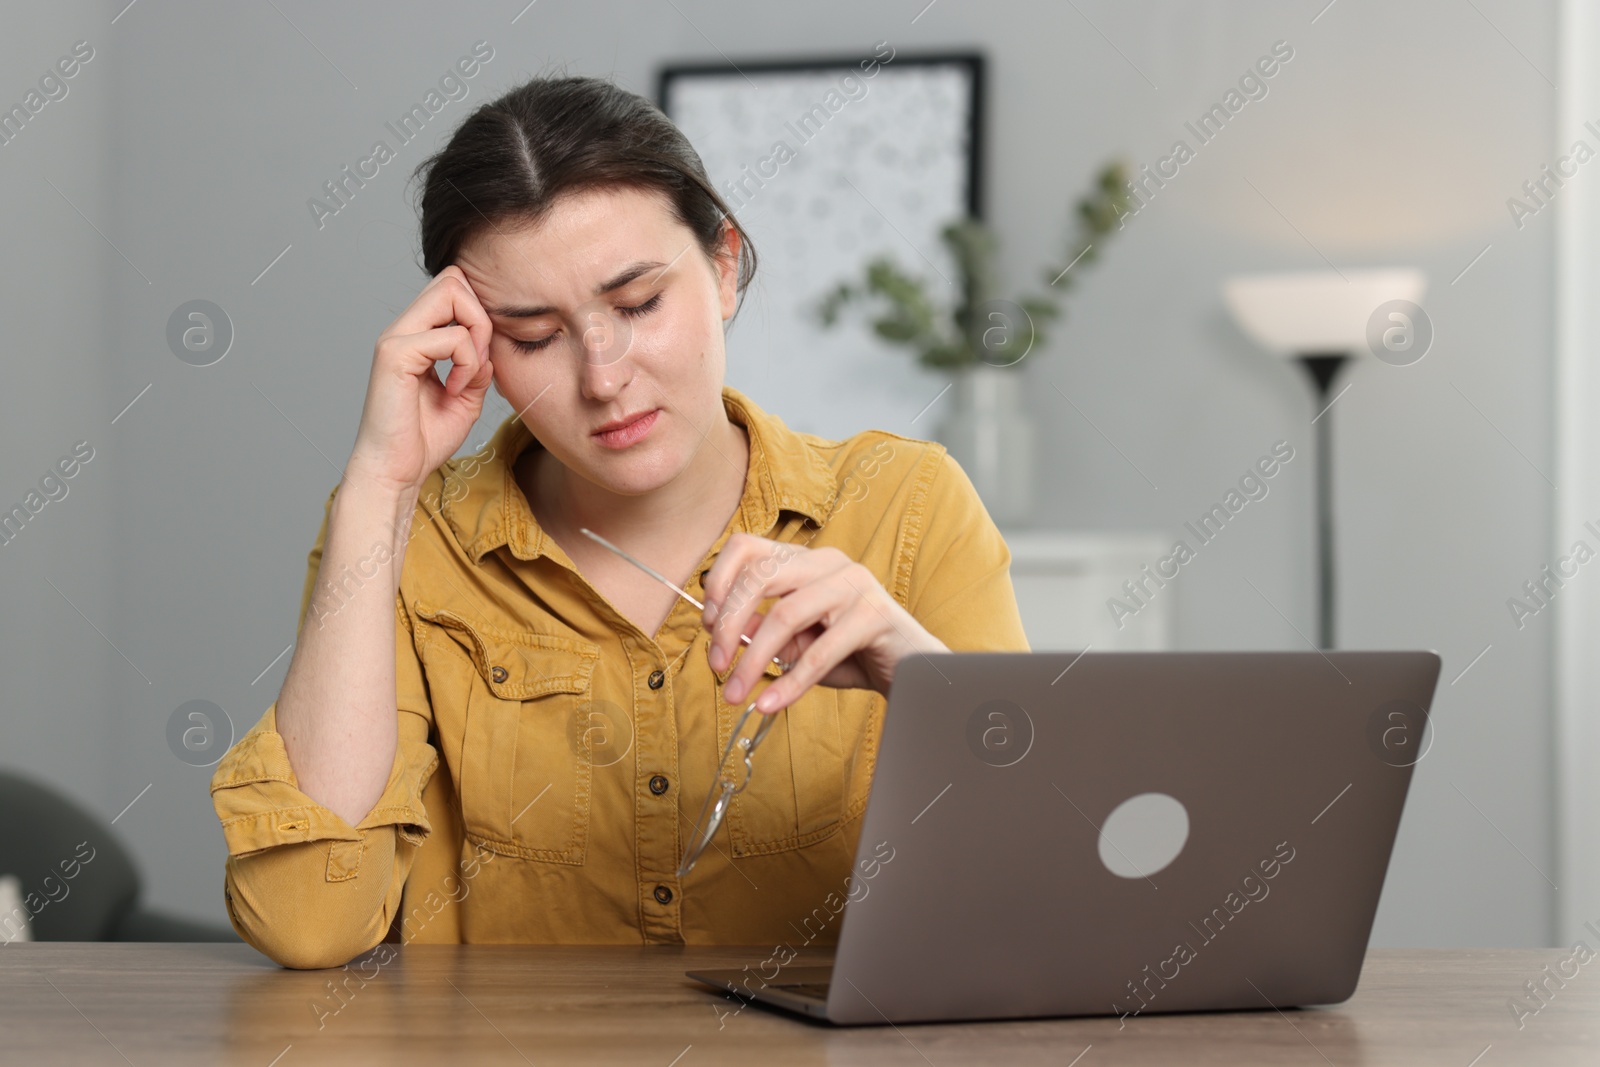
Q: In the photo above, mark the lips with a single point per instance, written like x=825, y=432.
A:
x=626, y=432
x=626, y=420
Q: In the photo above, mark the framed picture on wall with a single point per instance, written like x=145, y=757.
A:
x=828, y=163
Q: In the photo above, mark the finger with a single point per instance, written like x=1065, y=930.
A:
x=818, y=602
x=448, y=299
x=434, y=304
x=469, y=365
x=469, y=312
x=785, y=657
x=725, y=589
x=416, y=354
x=832, y=647
x=471, y=371
x=742, y=553
x=480, y=383
x=774, y=569
x=713, y=649
x=761, y=580
x=468, y=402
x=738, y=548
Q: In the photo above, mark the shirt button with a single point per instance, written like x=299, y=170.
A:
x=499, y=673
x=658, y=784
x=663, y=894
x=657, y=679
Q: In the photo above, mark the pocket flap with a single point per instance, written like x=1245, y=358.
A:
x=517, y=665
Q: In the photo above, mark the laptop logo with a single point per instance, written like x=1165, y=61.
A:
x=1143, y=835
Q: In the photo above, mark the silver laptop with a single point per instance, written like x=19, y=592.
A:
x=1119, y=833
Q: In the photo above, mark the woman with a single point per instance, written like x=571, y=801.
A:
x=560, y=714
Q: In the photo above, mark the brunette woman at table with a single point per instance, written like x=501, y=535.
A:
x=495, y=730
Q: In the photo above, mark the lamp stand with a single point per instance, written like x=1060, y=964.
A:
x=1322, y=368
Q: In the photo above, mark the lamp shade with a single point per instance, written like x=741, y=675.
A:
x=1294, y=313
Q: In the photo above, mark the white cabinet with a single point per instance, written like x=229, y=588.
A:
x=1064, y=580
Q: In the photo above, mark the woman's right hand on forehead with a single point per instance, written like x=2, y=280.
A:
x=411, y=422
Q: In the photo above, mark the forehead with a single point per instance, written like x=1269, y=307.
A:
x=582, y=241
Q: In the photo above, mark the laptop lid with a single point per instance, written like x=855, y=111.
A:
x=1128, y=832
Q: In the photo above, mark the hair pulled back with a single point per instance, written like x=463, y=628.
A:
x=515, y=156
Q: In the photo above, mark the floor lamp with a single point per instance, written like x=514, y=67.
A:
x=1321, y=319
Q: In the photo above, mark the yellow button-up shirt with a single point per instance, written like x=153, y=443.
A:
x=553, y=757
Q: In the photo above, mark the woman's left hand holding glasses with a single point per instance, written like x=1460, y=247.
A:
x=833, y=623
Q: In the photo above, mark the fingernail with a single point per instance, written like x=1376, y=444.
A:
x=710, y=615
x=768, y=700
x=733, y=690
x=719, y=658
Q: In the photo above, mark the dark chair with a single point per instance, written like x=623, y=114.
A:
x=41, y=831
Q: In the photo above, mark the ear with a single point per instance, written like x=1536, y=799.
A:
x=727, y=263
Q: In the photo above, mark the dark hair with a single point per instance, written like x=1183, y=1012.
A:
x=515, y=156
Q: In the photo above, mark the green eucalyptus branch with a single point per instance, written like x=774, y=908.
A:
x=907, y=317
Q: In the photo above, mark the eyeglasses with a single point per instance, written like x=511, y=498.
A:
x=733, y=774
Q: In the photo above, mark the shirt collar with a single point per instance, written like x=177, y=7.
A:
x=485, y=508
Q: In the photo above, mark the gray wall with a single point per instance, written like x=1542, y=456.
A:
x=1393, y=137
x=67, y=689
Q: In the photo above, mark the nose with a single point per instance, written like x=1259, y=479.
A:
x=602, y=343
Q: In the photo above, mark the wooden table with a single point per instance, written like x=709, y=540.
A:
x=161, y=1004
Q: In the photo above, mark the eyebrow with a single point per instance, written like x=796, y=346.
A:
x=623, y=277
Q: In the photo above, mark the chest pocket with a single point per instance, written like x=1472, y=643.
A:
x=506, y=704
x=812, y=773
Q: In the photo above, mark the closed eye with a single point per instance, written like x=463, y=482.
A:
x=630, y=312
x=532, y=346
x=642, y=309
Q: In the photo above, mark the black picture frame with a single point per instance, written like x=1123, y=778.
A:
x=975, y=63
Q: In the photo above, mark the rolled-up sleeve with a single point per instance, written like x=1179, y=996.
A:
x=302, y=885
x=960, y=588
